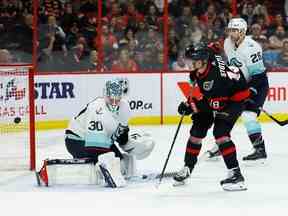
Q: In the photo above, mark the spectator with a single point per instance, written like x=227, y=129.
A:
x=22, y=37
x=225, y=15
x=257, y=34
x=116, y=28
x=184, y=20
x=159, y=63
x=129, y=35
x=283, y=55
x=174, y=8
x=260, y=19
x=141, y=32
x=278, y=21
x=54, y=37
x=68, y=18
x=152, y=16
x=180, y=64
x=276, y=39
x=132, y=16
x=107, y=39
x=116, y=12
x=173, y=53
x=140, y=59
x=93, y=65
x=209, y=36
x=209, y=17
x=124, y=63
x=52, y=8
x=153, y=38
x=196, y=35
x=218, y=27
x=248, y=13
x=5, y=56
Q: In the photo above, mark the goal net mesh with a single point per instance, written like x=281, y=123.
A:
x=15, y=146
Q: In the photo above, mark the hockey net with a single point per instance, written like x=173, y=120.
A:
x=17, y=130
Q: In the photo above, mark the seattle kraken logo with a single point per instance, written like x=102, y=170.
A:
x=235, y=62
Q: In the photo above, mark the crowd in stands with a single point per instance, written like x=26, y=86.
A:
x=134, y=35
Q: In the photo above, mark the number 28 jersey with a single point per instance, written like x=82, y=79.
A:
x=221, y=84
x=96, y=123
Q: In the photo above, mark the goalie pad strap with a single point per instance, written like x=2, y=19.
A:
x=69, y=161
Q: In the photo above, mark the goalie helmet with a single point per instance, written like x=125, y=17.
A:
x=113, y=93
x=125, y=85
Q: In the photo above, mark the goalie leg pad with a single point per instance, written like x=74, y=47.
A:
x=128, y=165
x=110, y=168
x=69, y=171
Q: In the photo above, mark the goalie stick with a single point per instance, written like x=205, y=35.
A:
x=150, y=177
x=42, y=177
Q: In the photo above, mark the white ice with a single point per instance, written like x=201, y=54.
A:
x=267, y=184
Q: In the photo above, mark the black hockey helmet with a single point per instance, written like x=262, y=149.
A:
x=197, y=52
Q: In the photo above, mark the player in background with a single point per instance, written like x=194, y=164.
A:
x=100, y=132
x=245, y=53
x=220, y=100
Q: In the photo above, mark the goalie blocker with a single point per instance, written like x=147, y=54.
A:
x=107, y=171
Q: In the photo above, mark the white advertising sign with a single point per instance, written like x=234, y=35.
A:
x=63, y=96
x=276, y=102
x=277, y=99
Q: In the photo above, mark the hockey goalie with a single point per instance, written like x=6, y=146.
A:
x=104, y=152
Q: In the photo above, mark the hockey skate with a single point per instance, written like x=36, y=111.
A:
x=258, y=154
x=234, y=181
x=181, y=177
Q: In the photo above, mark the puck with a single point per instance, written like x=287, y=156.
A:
x=17, y=120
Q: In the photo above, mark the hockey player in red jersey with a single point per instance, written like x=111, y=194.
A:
x=224, y=92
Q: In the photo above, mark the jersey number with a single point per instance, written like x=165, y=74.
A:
x=95, y=125
x=256, y=57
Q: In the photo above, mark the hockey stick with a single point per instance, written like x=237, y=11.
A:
x=281, y=123
x=150, y=177
x=168, y=156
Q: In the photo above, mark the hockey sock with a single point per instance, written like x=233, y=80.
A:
x=228, y=151
x=192, y=151
x=257, y=140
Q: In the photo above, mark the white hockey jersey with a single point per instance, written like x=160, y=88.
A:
x=247, y=57
x=95, y=123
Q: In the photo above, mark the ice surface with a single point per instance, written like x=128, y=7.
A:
x=267, y=192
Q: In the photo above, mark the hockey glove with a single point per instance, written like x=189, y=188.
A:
x=251, y=99
x=184, y=109
x=120, y=135
x=253, y=92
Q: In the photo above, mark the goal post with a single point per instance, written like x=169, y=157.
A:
x=17, y=117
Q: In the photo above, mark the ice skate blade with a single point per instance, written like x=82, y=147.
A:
x=180, y=183
x=207, y=157
x=213, y=159
x=240, y=186
x=252, y=163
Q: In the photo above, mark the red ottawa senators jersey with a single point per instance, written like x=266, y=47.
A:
x=221, y=84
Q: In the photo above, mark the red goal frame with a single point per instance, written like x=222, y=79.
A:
x=31, y=96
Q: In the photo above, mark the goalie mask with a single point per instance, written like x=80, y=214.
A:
x=125, y=85
x=113, y=93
